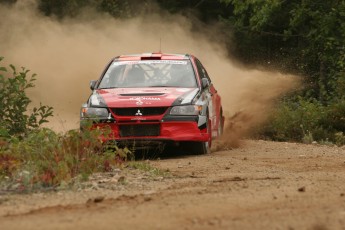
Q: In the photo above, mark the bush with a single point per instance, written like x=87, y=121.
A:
x=46, y=159
x=34, y=157
x=335, y=118
x=14, y=116
x=307, y=121
x=295, y=121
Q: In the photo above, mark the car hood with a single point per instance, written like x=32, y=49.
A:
x=144, y=97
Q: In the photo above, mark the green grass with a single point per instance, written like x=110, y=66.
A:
x=148, y=168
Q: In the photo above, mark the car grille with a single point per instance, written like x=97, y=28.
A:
x=146, y=111
x=139, y=130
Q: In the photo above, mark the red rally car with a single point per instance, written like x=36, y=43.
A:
x=156, y=98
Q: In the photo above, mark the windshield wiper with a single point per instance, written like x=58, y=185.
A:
x=108, y=88
x=162, y=86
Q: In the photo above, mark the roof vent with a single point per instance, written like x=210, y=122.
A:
x=152, y=56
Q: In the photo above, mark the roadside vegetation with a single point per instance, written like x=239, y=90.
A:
x=33, y=157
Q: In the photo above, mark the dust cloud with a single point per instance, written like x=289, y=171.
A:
x=67, y=54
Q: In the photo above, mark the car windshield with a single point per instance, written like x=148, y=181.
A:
x=149, y=73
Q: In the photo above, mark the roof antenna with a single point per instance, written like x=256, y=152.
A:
x=160, y=45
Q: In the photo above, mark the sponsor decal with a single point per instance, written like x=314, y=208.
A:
x=139, y=102
x=138, y=119
x=150, y=62
x=144, y=99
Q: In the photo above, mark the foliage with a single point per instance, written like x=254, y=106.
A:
x=147, y=167
x=45, y=158
x=62, y=8
x=33, y=157
x=304, y=37
x=207, y=10
x=7, y=2
x=295, y=121
x=116, y=8
x=71, y=8
x=307, y=121
x=14, y=103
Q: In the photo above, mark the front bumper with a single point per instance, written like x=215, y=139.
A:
x=159, y=131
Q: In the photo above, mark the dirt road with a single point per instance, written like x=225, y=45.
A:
x=261, y=185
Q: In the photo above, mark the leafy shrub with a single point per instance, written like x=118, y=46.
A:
x=295, y=121
x=307, y=121
x=14, y=116
x=44, y=158
x=335, y=118
x=34, y=157
x=339, y=138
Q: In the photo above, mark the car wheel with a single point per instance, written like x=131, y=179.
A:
x=199, y=148
x=220, y=126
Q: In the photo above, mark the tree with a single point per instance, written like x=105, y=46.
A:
x=302, y=36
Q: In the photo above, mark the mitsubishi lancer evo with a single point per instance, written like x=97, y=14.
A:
x=156, y=98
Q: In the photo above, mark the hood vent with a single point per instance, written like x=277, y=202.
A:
x=141, y=94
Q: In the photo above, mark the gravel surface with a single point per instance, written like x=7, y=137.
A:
x=260, y=185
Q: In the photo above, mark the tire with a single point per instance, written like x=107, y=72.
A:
x=220, y=126
x=200, y=148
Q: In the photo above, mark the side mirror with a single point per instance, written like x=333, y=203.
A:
x=205, y=83
x=93, y=84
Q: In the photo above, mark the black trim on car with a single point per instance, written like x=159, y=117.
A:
x=180, y=99
x=180, y=118
x=203, y=126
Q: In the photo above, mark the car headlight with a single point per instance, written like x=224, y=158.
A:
x=96, y=113
x=186, y=110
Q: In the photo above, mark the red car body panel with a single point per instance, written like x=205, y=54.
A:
x=141, y=97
